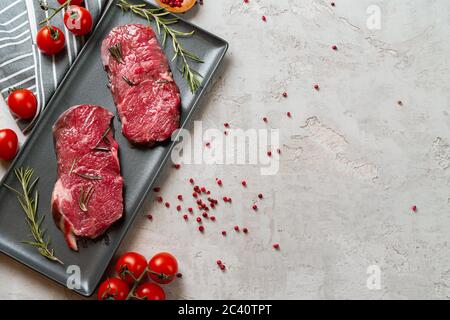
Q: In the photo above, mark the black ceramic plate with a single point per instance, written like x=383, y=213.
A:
x=85, y=83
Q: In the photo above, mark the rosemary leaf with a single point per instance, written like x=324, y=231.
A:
x=130, y=83
x=88, y=176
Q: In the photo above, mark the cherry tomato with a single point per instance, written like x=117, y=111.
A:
x=131, y=262
x=78, y=20
x=9, y=144
x=74, y=2
x=50, y=40
x=22, y=103
x=163, y=267
x=150, y=291
x=113, y=289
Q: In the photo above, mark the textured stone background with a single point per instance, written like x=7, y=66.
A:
x=353, y=161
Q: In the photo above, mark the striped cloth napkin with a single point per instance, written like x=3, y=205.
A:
x=21, y=63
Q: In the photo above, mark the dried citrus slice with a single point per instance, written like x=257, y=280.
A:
x=177, y=6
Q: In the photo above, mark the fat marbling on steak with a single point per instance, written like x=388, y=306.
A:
x=87, y=197
x=146, y=96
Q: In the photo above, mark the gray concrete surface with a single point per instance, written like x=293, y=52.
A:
x=353, y=160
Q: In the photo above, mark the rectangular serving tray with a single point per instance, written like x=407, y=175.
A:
x=85, y=83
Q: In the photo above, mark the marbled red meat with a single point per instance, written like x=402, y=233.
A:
x=87, y=197
x=146, y=96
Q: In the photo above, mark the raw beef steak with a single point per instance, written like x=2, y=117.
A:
x=87, y=197
x=146, y=96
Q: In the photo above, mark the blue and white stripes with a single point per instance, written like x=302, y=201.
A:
x=21, y=63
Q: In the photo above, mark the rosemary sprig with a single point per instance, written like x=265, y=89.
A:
x=83, y=200
x=29, y=200
x=116, y=52
x=163, y=23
